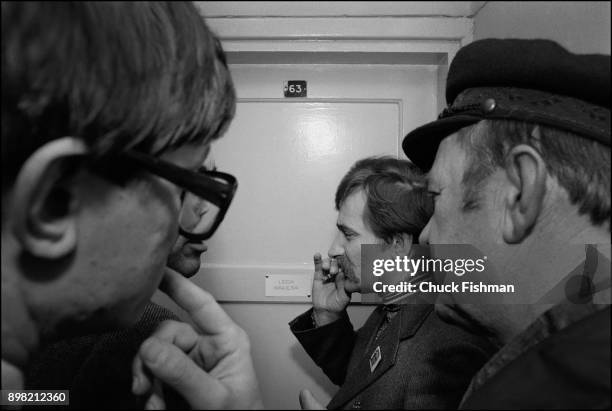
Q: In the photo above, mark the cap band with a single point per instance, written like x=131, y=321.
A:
x=567, y=113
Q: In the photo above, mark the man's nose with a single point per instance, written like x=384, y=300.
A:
x=336, y=249
x=424, y=237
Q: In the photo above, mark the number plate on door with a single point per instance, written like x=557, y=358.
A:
x=295, y=88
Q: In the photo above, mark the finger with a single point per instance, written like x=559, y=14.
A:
x=208, y=351
x=187, y=340
x=178, y=333
x=333, y=269
x=156, y=400
x=205, y=312
x=325, y=266
x=318, y=265
x=175, y=332
x=173, y=367
x=318, y=260
x=341, y=292
x=141, y=380
x=309, y=402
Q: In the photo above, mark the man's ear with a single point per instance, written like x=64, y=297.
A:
x=402, y=242
x=43, y=204
x=526, y=171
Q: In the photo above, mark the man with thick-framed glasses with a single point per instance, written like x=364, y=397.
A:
x=108, y=111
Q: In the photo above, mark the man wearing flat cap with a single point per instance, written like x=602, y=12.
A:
x=519, y=166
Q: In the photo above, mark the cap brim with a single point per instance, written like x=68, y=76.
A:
x=421, y=144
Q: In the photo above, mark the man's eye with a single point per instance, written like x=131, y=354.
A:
x=433, y=194
x=348, y=235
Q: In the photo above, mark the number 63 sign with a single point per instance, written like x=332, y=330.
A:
x=295, y=88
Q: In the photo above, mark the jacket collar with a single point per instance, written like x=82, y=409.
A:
x=413, y=313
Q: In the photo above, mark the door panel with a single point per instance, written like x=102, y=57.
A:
x=288, y=165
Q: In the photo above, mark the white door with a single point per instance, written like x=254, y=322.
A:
x=289, y=155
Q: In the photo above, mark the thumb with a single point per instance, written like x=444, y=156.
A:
x=340, y=279
x=173, y=367
x=309, y=402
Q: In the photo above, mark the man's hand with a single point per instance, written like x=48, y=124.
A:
x=309, y=402
x=211, y=368
x=329, y=299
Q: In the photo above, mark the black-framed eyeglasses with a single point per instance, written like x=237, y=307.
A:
x=205, y=198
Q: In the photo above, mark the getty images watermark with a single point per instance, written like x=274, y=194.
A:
x=473, y=277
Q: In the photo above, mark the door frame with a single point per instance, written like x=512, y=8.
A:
x=302, y=40
x=357, y=40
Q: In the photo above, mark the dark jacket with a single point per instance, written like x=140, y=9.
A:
x=425, y=363
x=97, y=368
x=570, y=369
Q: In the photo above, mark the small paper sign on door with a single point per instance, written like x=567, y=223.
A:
x=288, y=285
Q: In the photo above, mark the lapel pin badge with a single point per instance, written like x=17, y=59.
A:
x=375, y=359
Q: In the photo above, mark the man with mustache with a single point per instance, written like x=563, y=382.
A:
x=404, y=356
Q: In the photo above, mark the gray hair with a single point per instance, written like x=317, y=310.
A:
x=582, y=166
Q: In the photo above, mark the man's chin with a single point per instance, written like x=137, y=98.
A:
x=187, y=263
x=186, y=269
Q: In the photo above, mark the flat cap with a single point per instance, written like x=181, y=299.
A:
x=535, y=81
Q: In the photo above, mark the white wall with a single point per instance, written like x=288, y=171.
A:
x=581, y=27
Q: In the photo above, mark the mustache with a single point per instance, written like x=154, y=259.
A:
x=344, y=264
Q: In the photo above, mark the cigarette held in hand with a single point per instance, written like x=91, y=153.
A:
x=330, y=276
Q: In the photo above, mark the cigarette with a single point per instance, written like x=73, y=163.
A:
x=331, y=277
